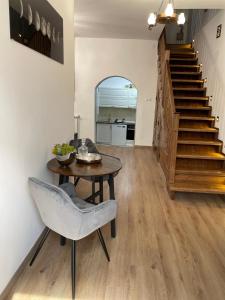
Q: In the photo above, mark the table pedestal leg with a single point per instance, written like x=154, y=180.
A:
x=93, y=189
x=62, y=240
x=101, y=189
x=112, y=197
x=63, y=179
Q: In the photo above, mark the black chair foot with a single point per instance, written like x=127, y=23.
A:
x=40, y=246
x=103, y=244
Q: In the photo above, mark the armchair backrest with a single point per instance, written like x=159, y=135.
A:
x=57, y=210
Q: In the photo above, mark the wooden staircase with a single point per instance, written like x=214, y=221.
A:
x=198, y=160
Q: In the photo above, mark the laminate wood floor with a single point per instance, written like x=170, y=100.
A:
x=165, y=249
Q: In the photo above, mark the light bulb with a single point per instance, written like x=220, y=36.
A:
x=181, y=19
x=152, y=19
x=169, y=10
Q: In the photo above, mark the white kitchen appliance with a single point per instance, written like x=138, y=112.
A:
x=119, y=134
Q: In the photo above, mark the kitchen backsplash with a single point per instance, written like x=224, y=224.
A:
x=110, y=114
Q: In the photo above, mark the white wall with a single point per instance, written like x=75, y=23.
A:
x=136, y=60
x=211, y=54
x=172, y=29
x=36, y=111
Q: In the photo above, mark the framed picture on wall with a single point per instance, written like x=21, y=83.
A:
x=37, y=25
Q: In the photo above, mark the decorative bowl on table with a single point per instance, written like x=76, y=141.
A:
x=66, y=160
x=64, y=153
x=89, y=158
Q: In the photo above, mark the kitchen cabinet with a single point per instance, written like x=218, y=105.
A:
x=132, y=103
x=132, y=98
x=120, y=98
x=104, y=133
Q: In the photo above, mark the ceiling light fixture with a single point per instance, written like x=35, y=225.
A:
x=168, y=16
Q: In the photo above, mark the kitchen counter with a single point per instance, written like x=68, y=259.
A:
x=104, y=122
x=108, y=122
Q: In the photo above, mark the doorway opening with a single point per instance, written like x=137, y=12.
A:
x=115, y=113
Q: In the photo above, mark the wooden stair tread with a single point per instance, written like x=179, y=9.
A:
x=198, y=187
x=185, y=66
x=197, y=141
x=197, y=118
x=180, y=46
x=185, y=73
x=200, y=172
x=189, y=89
x=188, y=80
x=174, y=52
x=182, y=58
x=191, y=98
x=193, y=107
x=182, y=50
x=198, y=125
x=182, y=54
x=198, y=129
x=200, y=154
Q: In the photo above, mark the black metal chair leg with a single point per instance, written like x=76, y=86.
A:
x=113, y=228
x=63, y=179
x=103, y=244
x=73, y=267
x=40, y=246
x=112, y=197
x=76, y=181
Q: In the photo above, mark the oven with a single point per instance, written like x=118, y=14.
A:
x=130, y=132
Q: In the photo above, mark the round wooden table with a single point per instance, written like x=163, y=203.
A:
x=108, y=166
x=99, y=172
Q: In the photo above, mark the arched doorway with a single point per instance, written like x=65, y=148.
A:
x=115, y=113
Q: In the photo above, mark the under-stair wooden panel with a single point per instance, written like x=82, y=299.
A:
x=200, y=161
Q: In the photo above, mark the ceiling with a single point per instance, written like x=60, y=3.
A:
x=125, y=18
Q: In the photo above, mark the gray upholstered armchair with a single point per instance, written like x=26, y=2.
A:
x=69, y=216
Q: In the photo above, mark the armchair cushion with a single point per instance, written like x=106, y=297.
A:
x=69, y=189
